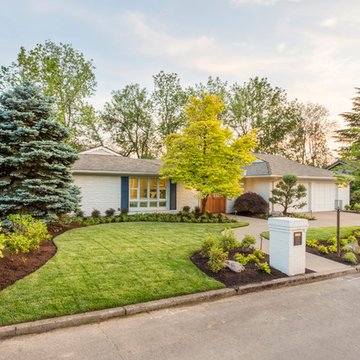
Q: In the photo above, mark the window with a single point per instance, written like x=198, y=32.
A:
x=147, y=193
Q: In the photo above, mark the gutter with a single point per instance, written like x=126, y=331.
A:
x=124, y=173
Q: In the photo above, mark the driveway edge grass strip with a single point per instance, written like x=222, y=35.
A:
x=41, y=326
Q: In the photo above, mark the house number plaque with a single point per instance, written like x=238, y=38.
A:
x=297, y=238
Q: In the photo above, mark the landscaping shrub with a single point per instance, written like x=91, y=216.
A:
x=197, y=211
x=323, y=249
x=350, y=257
x=347, y=207
x=332, y=241
x=186, y=209
x=252, y=258
x=80, y=213
x=312, y=243
x=228, y=241
x=2, y=242
x=263, y=267
x=302, y=216
x=217, y=258
x=207, y=245
x=252, y=203
x=356, y=207
x=110, y=212
x=332, y=248
x=259, y=254
x=351, y=239
x=343, y=242
x=241, y=259
x=247, y=241
x=26, y=234
x=95, y=213
x=124, y=211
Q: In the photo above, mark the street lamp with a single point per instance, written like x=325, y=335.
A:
x=338, y=208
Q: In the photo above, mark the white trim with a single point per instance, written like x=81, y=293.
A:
x=103, y=148
x=299, y=177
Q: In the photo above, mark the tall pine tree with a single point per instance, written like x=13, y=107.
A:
x=35, y=161
x=352, y=120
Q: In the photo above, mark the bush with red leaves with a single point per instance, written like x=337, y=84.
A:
x=252, y=203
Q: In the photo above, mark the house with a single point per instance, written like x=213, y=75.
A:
x=322, y=190
x=109, y=180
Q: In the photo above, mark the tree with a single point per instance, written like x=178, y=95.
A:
x=352, y=120
x=61, y=72
x=128, y=119
x=169, y=100
x=288, y=194
x=258, y=105
x=307, y=143
x=204, y=155
x=35, y=161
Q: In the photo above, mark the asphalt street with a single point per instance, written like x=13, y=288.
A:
x=313, y=321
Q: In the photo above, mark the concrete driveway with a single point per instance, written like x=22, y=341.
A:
x=313, y=262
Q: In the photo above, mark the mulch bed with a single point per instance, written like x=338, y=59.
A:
x=17, y=266
x=250, y=275
x=329, y=256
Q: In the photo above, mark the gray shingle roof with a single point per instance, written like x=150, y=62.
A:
x=115, y=164
x=275, y=165
x=272, y=165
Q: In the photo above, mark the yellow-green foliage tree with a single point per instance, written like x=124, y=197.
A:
x=205, y=155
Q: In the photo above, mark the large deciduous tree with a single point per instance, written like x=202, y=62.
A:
x=61, y=72
x=35, y=161
x=169, y=101
x=307, y=143
x=258, y=105
x=204, y=155
x=128, y=119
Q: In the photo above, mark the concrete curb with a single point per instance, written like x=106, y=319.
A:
x=45, y=325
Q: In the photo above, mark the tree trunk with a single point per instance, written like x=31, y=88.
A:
x=203, y=204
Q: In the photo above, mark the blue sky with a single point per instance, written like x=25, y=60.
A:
x=311, y=48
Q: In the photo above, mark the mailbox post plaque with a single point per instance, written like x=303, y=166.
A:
x=297, y=238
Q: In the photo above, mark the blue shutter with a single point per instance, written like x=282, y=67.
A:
x=125, y=192
x=172, y=196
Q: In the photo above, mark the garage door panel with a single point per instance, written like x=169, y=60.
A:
x=323, y=196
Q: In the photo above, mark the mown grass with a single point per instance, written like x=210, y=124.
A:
x=324, y=233
x=111, y=265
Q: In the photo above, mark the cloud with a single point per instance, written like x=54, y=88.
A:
x=329, y=22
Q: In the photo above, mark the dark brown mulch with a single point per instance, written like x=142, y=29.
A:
x=329, y=256
x=232, y=279
x=17, y=266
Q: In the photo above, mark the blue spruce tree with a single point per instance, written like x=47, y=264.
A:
x=35, y=160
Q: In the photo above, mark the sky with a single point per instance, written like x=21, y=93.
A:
x=310, y=48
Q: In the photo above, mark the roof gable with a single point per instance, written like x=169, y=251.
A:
x=100, y=150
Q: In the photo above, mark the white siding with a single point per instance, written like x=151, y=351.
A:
x=343, y=194
x=99, y=192
x=185, y=197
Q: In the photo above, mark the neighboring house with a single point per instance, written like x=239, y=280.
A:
x=335, y=165
x=108, y=180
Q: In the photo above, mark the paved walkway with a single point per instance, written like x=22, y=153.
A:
x=313, y=262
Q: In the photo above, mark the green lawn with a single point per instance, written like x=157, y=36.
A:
x=111, y=265
x=324, y=233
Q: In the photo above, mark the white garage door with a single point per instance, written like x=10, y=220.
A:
x=99, y=192
x=323, y=196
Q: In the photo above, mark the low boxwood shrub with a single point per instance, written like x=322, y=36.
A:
x=263, y=267
x=323, y=249
x=248, y=241
x=350, y=257
x=252, y=203
x=95, y=213
x=110, y=212
x=207, y=245
x=217, y=258
x=228, y=240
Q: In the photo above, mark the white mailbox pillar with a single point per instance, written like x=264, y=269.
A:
x=288, y=244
